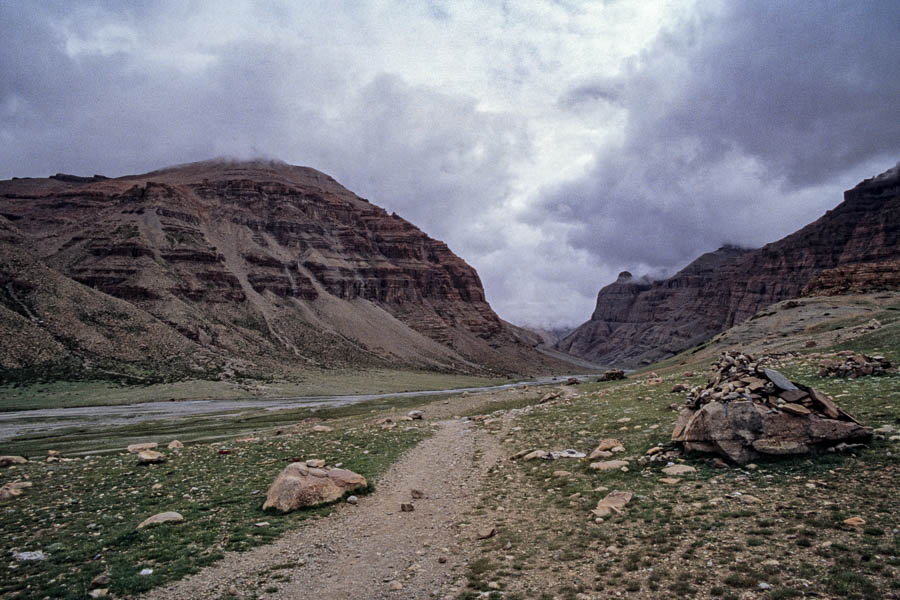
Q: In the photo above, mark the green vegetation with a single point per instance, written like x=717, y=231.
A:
x=54, y=393
x=699, y=538
x=83, y=513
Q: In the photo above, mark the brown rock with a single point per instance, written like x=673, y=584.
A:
x=136, y=448
x=615, y=501
x=13, y=489
x=175, y=445
x=779, y=446
x=407, y=507
x=795, y=409
x=679, y=470
x=486, y=532
x=609, y=465
x=416, y=494
x=793, y=395
x=150, y=457
x=855, y=521
x=164, y=517
x=6, y=461
x=322, y=429
x=549, y=396
x=612, y=375
x=536, y=454
x=299, y=486
x=608, y=444
x=670, y=480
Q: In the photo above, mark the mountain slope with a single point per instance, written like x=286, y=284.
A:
x=854, y=247
x=264, y=266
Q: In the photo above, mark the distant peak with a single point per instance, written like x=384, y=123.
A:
x=624, y=276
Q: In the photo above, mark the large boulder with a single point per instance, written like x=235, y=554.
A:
x=748, y=410
x=299, y=486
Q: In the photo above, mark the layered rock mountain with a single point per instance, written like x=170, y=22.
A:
x=224, y=266
x=853, y=248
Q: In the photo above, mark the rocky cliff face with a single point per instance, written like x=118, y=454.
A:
x=853, y=248
x=262, y=264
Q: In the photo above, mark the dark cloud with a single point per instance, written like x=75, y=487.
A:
x=743, y=124
x=739, y=123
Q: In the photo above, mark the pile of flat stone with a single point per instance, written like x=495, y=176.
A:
x=854, y=365
x=739, y=377
x=748, y=409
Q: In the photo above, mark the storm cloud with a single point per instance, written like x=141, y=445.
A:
x=551, y=145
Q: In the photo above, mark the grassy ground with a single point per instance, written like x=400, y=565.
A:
x=205, y=428
x=773, y=531
x=82, y=513
x=64, y=394
x=717, y=533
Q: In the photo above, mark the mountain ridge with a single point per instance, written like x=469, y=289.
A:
x=260, y=266
x=852, y=248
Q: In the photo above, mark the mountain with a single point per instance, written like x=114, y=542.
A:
x=219, y=267
x=853, y=248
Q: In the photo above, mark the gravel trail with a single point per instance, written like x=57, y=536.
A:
x=364, y=551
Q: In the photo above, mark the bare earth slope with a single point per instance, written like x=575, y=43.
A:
x=852, y=248
x=266, y=266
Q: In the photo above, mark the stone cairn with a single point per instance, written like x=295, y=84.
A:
x=747, y=409
x=854, y=365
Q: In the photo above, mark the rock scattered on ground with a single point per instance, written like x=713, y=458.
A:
x=747, y=410
x=608, y=465
x=150, y=457
x=615, y=501
x=163, y=517
x=612, y=375
x=550, y=396
x=13, y=489
x=853, y=366
x=138, y=448
x=299, y=486
x=6, y=461
x=679, y=470
x=175, y=445
x=322, y=429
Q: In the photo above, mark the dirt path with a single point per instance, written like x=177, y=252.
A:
x=360, y=551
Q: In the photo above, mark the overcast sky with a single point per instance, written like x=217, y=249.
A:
x=550, y=144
